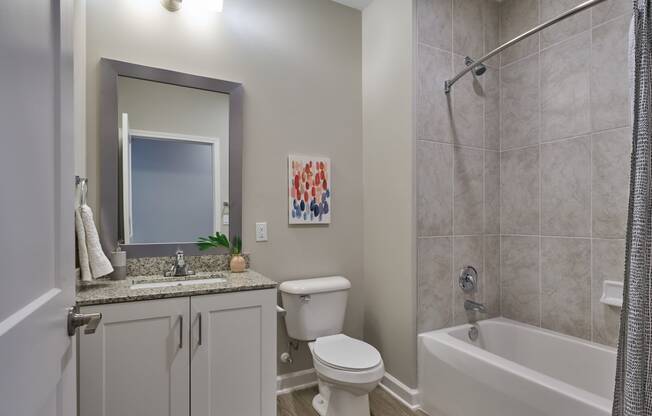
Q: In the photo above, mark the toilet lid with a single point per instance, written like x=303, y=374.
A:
x=340, y=351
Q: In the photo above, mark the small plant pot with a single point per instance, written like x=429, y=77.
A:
x=238, y=264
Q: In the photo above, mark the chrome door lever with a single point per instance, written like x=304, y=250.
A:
x=77, y=319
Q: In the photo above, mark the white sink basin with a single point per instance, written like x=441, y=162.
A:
x=172, y=283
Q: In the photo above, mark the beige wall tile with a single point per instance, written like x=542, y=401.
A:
x=491, y=79
x=565, y=89
x=434, y=287
x=519, y=269
x=517, y=16
x=519, y=189
x=491, y=275
x=566, y=188
x=492, y=30
x=519, y=109
x=608, y=264
x=611, y=165
x=610, y=104
x=433, y=109
x=566, y=28
x=468, y=19
x=434, y=23
x=565, y=285
x=434, y=188
x=611, y=9
x=491, y=192
x=468, y=191
x=467, y=251
x=468, y=108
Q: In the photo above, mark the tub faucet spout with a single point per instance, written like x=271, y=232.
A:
x=470, y=305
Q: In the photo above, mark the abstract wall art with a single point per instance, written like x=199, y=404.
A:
x=310, y=190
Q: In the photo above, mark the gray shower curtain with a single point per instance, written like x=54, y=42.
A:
x=633, y=390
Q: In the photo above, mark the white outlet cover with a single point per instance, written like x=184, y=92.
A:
x=261, y=231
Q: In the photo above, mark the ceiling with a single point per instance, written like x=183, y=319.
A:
x=356, y=4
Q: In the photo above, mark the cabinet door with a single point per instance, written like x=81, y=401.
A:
x=233, y=356
x=137, y=362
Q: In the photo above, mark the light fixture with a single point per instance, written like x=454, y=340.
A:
x=171, y=5
x=203, y=5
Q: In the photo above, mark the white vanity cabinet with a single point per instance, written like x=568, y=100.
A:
x=205, y=355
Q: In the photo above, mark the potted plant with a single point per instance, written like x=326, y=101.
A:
x=238, y=263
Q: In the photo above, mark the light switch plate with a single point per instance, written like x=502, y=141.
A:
x=261, y=231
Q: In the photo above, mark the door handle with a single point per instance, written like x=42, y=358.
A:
x=77, y=319
x=199, y=322
x=180, y=331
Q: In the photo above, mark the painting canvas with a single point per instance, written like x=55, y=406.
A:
x=310, y=190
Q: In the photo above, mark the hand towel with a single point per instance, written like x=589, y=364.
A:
x=84, y=265
x=99, y=263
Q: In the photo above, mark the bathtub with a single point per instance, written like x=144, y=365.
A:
x=513, y=369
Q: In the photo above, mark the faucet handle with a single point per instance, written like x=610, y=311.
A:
x=180, y=260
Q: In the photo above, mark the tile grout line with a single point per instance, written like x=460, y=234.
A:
x=590, y=72
x=484, y=158
x=500, y=164
x=450, y=102
x=540, y=172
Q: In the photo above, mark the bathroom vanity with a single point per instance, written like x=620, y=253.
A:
x=166, y=348
x=203, y=344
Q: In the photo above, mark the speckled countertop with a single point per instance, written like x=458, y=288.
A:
x=103, y=291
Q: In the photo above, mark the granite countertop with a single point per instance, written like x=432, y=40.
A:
x=102, y=291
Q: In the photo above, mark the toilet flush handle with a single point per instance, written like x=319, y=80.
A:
x=305, y=298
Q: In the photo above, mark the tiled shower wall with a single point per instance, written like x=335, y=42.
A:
x=458, y=143
x=522, y=172
x=565, y=148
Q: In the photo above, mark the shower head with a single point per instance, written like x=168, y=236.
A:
x=478, y=69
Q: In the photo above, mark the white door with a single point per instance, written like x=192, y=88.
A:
x=137, y=362
x=233, y=354
x=37, y=357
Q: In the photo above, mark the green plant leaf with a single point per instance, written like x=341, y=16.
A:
x=217, y=240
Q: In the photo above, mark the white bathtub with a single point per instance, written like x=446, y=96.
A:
x=513, y=369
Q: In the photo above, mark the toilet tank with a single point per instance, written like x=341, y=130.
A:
x=314, y=307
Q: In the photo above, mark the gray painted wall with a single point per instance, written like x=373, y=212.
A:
x=388, y=163
x=300, y=65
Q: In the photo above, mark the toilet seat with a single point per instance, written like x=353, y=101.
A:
x=341, y=352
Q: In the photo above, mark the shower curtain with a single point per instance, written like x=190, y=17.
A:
x=633, y=389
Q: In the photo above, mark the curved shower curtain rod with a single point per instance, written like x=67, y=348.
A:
x=580, y=7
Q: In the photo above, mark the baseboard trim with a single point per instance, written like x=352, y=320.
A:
x=298, y=380
x=406, y=395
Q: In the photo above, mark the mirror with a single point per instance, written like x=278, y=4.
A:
x=174, y=144
x=171, y=159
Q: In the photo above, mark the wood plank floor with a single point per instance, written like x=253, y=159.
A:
x=299, y=403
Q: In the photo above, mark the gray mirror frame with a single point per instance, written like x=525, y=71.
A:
x=109, y=154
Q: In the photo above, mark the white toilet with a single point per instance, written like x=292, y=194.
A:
x=347, y=368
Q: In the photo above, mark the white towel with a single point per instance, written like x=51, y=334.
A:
x=83, y=250
x=98, y=262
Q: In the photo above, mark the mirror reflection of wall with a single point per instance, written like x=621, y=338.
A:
x=174, y=170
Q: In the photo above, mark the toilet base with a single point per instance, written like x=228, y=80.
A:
x=340, y=402
x=319, y=404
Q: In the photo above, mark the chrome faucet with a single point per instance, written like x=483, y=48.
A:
x=179, y=268
x=470, y=305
